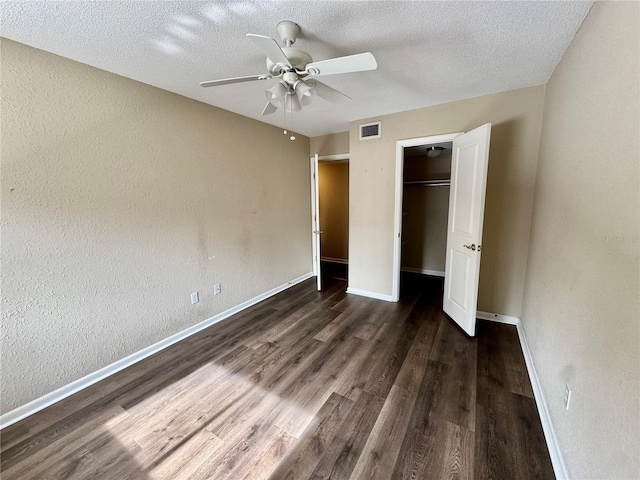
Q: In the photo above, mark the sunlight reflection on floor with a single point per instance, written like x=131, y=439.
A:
x=219, y=420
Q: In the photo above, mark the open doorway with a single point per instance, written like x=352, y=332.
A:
x=330, y=216
x=333, y=199
x=425, y=207
x=423, y=190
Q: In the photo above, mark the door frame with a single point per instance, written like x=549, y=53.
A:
x=315, y=200
x=397, y=216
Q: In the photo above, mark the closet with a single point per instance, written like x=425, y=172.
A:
x=425, y=207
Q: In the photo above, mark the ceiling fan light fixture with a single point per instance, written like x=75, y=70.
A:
x=303, y=92
x=292, y=104
x=276, y=95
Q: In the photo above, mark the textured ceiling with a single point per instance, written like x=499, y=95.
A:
x=428, y=52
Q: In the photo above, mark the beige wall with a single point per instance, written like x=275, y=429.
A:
x=581, y=310
x=331, y=144
x=515, y=118
x=333, y=189
x=118, y=201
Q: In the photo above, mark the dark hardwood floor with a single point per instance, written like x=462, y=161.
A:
x=305, y=385
x=334, y=270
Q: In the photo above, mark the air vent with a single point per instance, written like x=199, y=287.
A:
x=370, y=130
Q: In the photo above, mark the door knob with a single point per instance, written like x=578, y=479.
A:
x=471, y=247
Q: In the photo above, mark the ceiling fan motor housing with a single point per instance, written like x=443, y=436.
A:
x=290, y=77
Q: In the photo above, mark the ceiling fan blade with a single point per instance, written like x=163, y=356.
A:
x=270, y=48
x=352, y=63
x=328, y=93
x=269, y=109
x=227, y=81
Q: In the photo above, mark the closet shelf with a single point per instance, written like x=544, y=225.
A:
x=429, y=183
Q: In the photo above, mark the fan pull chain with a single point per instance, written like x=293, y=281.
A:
x=284, y=115
x=285, y=131
x=292, y=137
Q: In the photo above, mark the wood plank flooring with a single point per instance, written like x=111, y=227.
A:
x=305, y=385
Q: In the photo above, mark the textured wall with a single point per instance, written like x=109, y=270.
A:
x=581, y=311
x=331, y=144
x=516, y=117
x=333, y=189
x=118, y=201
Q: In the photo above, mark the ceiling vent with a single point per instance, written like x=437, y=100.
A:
x=370, y=130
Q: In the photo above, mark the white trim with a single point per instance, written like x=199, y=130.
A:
x=50, y=398
x=366, y=293
x=334, y=260
x=397, y=223
x=331, y=158
x=315, y=208
x=397, y=218
x=496, y=317
x=315, y=246
x=559, y=467
x=557, y=461
x=433, y=273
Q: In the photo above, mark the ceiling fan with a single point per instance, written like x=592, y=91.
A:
x=295, y=69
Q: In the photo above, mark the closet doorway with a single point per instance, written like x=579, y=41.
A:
x=330, y=182
x=425, y=207
x=418, y=242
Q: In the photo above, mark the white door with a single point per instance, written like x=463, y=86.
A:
x=469, y=161
x=315, y=224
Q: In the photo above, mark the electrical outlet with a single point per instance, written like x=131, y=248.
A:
x=216, y=289
x=567, y=397
x=194, y=298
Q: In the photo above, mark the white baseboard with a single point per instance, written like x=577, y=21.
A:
x=433, y=273
x=559, y=467
x=496, y=317
x=334, y=260
x=365, y=293
x=38, y=404
x=557, y=461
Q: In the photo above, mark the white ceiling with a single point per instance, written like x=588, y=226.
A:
x=428, y=52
